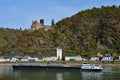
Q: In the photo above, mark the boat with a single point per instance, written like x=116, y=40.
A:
x=44, y=67
x=91, y=67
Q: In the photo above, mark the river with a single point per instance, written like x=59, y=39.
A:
x=109, y=73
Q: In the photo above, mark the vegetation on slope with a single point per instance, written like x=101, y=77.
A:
x=87, y=32
x=95, y=30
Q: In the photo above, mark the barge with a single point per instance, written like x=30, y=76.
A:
x=83, y=67
x=44, y=67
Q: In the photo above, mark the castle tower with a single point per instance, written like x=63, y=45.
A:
x=59, y=53
x=42, y=21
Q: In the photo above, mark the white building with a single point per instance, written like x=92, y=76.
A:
x=59, y=53
x=13, y=59
x=51, y=58
x=119, y=57
x=68, y=58
x=4, y=60
x=74, y=58
x=94, y=58
x=107, y=57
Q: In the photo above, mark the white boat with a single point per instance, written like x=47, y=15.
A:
x=91, y=67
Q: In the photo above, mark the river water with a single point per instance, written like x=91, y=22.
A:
x=6, y=73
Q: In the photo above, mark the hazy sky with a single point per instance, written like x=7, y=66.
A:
x=20, y=13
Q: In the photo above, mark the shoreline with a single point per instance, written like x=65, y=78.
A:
x=56, y=63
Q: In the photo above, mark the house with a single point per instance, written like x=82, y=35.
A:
x=39, y=58
x=79, y=58
x=52, y=58
x=24, y=59
x=94, y=58
x=7, y=58
x=32, y=59
x=74, y=58
x=68, y=58
x=18, y=58
x=44, y=59
x=2, y=59
x=14, y=59
x=99, y=55
x=115, y=56
x=107, y=57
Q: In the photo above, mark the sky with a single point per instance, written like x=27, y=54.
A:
x=18, y=14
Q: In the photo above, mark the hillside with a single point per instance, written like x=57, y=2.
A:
x=7, y=37
x=95, y=30
x=87, y=32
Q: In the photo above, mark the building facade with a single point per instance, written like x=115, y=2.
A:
x=39, y=25
x=59, y=53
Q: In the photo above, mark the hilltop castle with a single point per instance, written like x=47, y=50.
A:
x=36, y=25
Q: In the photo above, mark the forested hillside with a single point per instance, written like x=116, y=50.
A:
x=93, y=30
x=87, y=32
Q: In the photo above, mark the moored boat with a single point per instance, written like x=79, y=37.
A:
x=44, y=67
x=91, y=67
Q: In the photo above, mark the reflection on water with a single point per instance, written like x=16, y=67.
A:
x=59, y=76
x=92, y=75
x=5, y=69
x=107, y=74
x=107, y=69
x=6, y=73
x=48, y=75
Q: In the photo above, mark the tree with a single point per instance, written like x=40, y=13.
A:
x=52, y=22
x=20, y=28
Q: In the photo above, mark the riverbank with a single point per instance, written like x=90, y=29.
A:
x=70, y=63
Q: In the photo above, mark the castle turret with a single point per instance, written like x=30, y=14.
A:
x=42, y=21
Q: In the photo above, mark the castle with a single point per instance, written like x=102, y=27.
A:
x=35, y=25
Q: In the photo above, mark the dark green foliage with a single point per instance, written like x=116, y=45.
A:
x=52, y=22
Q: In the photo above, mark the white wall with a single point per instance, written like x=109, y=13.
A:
x=59, y=53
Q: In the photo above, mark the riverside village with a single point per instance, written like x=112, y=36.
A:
x=59, y=57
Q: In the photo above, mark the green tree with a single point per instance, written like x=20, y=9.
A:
x=52, y=22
